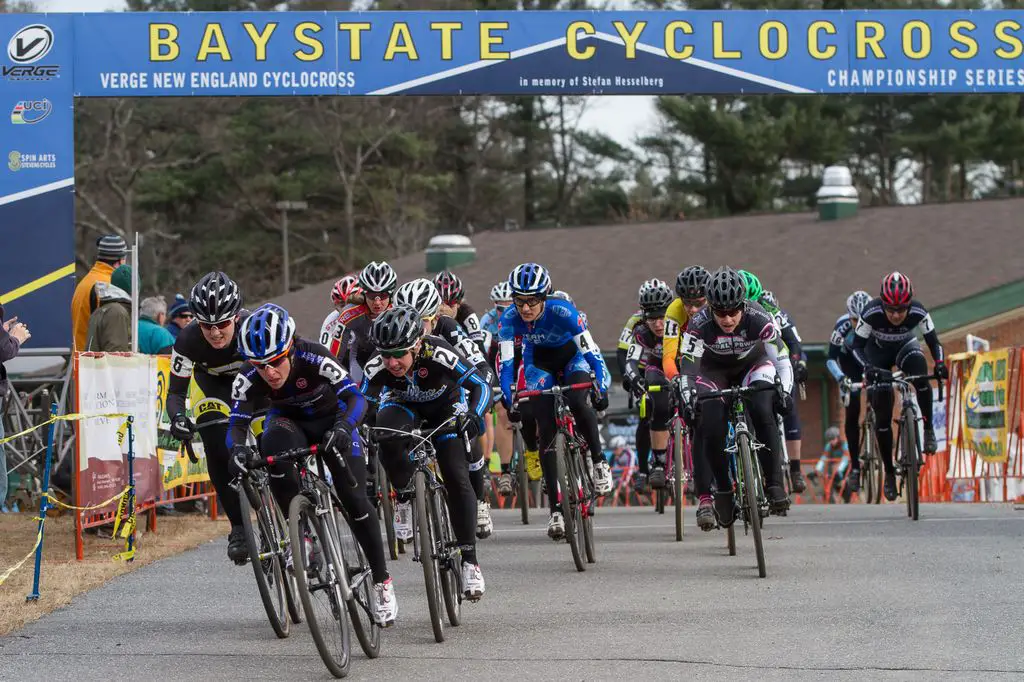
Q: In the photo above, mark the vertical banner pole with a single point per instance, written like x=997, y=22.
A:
x=44, y=505
x=135, y=296
x=131, y=484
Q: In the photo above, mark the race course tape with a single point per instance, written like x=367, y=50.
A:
x=61, y=418
x=39, y=538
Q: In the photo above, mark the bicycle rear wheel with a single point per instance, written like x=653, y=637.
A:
x=449, y=559
x=317, y=578
x=912, y=462
x=751, y=507
x=568, y=483
x=730, y=539
x=427, y=545
x=677, y=477
x=264, y=547
x=522, y=480
x=360, y=580
x=387, y=509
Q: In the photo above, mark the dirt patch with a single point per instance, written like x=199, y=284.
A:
x=63, y=578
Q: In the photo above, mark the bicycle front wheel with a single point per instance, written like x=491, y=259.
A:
x=427, y=543
x=264, y=546
x=317, y=578
x=360, y=580
x=677, y=477
x=448, y=560
x=911, y=454
x=751, y=507
x=522, y=480
x=569, y=485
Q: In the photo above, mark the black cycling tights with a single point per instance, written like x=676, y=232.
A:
x=529, y=428
x=281, y=434
x=477, y=464
x=451, y=457
x=586, y=424
x=713, y=429
x=911, y=360
x=217, y=460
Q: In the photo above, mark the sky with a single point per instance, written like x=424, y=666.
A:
x=622, y=117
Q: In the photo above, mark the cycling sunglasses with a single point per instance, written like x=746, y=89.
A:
x=216, y=325
x=694, y=302
x=376, y=295
x=731, y=312
x=395, y=354
x=531, y=302
x=896, y=309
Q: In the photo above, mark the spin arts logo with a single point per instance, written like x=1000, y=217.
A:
x=26, y=47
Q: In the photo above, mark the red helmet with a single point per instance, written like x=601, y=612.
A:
x=897, y=291
x=449, y=286
x=343, y=289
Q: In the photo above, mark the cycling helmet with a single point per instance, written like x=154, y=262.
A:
x=655, y=297
x=378, y=278
x=343, y=289
x=769, y=298
x=397, y=328
x=856, y=302
x=449, y=286
x=692, y=282
x=501, y=293
x=530, y=279
x=754, y=288
x=215, y=298
x=617, y=442
x=266, y=334
x=726, y=289
x=897, y=291
x=420, y=294
x=831, y=433
x=562, y=295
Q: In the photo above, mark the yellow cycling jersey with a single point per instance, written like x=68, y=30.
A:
x=676, y=319
x=626, y=337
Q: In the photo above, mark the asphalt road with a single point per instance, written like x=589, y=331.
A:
x=852, y=593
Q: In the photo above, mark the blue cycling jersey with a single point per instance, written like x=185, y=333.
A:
x=840, y=344
x=559, y=324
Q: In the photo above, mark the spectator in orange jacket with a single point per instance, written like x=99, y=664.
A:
x=111, y=251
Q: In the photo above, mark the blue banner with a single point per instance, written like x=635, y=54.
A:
x=37, y=238
x=380, y=53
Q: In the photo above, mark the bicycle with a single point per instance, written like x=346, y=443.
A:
x=871, y=470
x=433, y=538
x=753, y=503
x=381, y=494
x=676, y=475
x=331, y=564
x=522, y=486
x=577, y=493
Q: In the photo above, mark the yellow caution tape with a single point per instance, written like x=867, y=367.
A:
x=65, y=505
x=61, y=418
x=39, y=538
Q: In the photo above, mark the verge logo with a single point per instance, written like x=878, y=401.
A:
x=30, y=44
x=31, y=111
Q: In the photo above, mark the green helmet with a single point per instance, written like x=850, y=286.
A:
x=754, y=288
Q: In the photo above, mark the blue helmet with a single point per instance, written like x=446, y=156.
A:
x=266, y=334
x=530, y=279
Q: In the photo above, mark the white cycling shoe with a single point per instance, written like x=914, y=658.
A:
x=403, y=521
x=472, y=581
x=385, y=605
x=603, y=478
x=556, y=526
x=484, y=524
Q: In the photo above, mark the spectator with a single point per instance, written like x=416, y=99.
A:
x=111, y=251
x=154, y=339
x=12, y=335
x=178, y=316
x=110, y=327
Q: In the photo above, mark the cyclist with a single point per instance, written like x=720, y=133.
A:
x=422, y=378
x=691, y=290
x=846, y=370
x=791, y=337
x=422, y=295
x=734, y=341
x=642, y=438
x=655, y=297
x=312, y=400
x=835, y=459
x=344, y=293
x=557, y=346
x=452, y=292
x=885, y=337
x=206, y=351
x=378, y=282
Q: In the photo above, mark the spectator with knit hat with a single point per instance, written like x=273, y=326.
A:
x=178, y=315
x=111, y=251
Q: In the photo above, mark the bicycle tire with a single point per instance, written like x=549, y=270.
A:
x=567, y=477
x=677, y=477
x=291, y=587
x=522, y=480
x=581, y=454
x=730, y=539
x=753, y=509
x=387, y=510
x=451, y=578
x=303, y=509
x=260, y=540
x=359, y=607
x=427, y=543
x=908, y=431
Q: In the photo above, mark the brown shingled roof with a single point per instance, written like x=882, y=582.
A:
x=950, y=251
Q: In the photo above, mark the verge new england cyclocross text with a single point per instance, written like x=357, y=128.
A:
x=142, y=80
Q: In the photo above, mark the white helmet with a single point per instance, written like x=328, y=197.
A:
x=501, y=292
x=378, y=278
x=617, y=442
x=562, y=295
x=856, y=302
x=420, y=294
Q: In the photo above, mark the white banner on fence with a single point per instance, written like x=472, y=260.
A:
x=121, y=383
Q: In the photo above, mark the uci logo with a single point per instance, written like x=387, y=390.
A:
x=30, y=44
x=31, y=111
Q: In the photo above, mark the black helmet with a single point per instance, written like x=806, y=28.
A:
x=726, y=289
x=692, y=282
x=378, y=278
x=397, y=328
x=215, y=298
x=655, y=297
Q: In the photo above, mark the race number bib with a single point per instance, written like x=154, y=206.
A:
x=691, y=345
x=671, y=329
x=240, y=388
x=634, y=352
